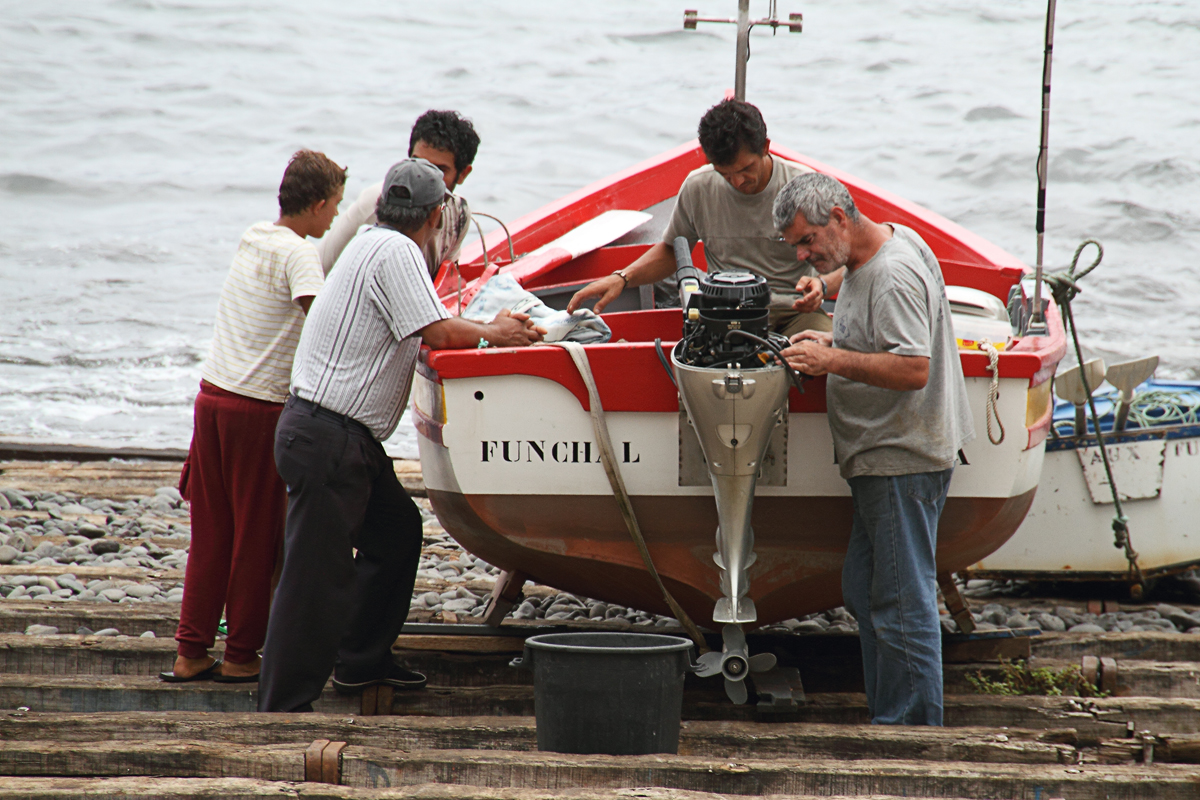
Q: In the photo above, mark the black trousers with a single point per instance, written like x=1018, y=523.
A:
x=334, y=609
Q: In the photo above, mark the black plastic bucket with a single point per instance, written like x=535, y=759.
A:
x=611, y=693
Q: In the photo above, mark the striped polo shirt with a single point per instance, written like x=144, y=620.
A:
x=360, y=344
x=258, y=321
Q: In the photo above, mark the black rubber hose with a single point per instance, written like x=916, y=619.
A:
x=797, y=380
x=662, y=357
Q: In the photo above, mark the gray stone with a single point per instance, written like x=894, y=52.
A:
x=161, y=505
x=108, y=632
x=113, y=595
x=5, y=503
x=1017, y=620
x=809, y=626
x=17, y=500
x=169, y=492
x=1049, y=622
x=21, y=541
x=38, y=591
x=141, y=590
x=1086, y=627
x=47, y=550
x=8, y=554
x=48, y=582
x=41, y=630
x=459, y=604
x=147, y=635
x=84, y=631
x=76, y=508
x=90, y=531
x=102, y=546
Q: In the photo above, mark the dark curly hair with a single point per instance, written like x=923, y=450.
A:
x=729, y=127
x=310, y=177
x=446, y=130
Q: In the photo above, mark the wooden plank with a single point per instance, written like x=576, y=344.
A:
x=731, y=739
x=139, y=788
x=461, y=644
x=179, y=759
x=68, y=617
x=1095, y=720
x=121, y=573
x=1142, y=645
x=373, y=767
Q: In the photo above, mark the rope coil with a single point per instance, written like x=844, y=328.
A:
x=993, y=390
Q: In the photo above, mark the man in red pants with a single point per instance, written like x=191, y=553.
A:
x=238, y=500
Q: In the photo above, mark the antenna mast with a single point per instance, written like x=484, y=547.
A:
x=1037, y=324
x=795, y=24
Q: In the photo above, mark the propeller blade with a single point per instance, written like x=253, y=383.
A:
x=737, y=691
x=710, y=664
x=734, y=638
x=763, y=662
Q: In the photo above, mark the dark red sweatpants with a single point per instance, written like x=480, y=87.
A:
x=239, y=505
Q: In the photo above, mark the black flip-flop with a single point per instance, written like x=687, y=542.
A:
x=236, y=678
x=203, y=675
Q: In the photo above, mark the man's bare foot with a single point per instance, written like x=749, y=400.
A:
x=232, y=670
x=187, y=667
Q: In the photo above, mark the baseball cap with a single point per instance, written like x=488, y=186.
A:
x=412, y=183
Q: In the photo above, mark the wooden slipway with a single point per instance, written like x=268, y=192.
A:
x=86, y=716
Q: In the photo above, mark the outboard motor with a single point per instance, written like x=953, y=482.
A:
x=734, y=388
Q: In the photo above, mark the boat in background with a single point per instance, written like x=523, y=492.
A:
x=512, y=468
x=1068, y=533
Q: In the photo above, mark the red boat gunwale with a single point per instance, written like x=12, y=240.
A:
x=628, y=373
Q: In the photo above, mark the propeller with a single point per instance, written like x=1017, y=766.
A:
x=1070, y=387
x=735, y=663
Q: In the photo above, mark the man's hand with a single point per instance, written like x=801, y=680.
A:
x=811, y=295
x=811, y=351
x=607, y=289
x=513, y=330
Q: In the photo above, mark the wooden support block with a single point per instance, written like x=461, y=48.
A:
x=504, y=596
x=368, y=700
x=1108, y=675
x=384, y=695
x=331, y=763
x=314, y=769
x=1111, y=606
x=955, y=603
x=969, y=651
x=1095, y=607
x=1090, y=667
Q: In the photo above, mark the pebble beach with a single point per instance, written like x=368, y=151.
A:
x=89, y=549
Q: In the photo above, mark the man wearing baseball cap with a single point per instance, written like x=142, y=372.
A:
x=336, y=610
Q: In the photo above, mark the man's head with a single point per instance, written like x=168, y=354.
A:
x=312, y=187
x=816, y=214
x=734, y=139
x=412, y=196
x=447, y=140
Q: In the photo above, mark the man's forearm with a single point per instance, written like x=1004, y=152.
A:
x=455, y=333
x=651, y=266
x=833, y=282
x=885, y=370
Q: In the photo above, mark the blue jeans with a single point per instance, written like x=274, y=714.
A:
x=889, y=584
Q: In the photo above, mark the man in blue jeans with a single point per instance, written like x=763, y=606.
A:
x=898, y=414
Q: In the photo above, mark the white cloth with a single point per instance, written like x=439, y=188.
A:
x=896, y=303
x=503, y=291
x=444, y=245
x=258, y=321
x=360, y=344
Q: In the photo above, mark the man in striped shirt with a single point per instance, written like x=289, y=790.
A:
x=354, y=536
x=237, y=497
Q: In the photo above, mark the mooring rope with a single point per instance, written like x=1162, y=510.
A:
x=1064, y=286
x=993, y=390
x=609, y=459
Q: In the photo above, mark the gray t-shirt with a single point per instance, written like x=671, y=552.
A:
x=896, y=303
x=737, y=229
x=360, y=342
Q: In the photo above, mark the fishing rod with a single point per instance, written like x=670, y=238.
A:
x=1037, y=322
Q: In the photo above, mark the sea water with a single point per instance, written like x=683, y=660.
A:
x=141, y=137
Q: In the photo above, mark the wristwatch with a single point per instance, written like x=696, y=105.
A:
x=824, y=288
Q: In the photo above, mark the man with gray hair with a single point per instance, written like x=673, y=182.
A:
x=353, y=537
x=898, y=414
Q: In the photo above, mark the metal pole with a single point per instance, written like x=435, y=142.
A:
x=743, y=49
x=1037, y=325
